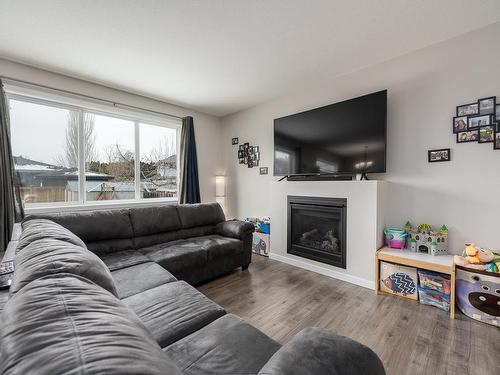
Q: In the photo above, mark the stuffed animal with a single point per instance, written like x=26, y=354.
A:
x=475, y=254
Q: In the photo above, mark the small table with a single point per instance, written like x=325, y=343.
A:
x=437, y=263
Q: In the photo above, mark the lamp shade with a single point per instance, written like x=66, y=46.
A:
x=220, y=186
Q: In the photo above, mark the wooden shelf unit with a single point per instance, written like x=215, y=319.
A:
x=437, y=263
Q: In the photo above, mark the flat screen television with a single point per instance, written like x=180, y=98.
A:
x=344, y=138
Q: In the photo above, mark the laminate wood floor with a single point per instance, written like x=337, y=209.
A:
x=410, y=338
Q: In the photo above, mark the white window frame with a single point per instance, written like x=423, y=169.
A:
x=54, y=98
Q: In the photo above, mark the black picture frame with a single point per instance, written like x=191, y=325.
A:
x=234, y=141
x=496, y=143
x=263, y=170
x=492, y=129
x=471, y=118
x=246, y=145
x=241, y=154
x=490, y=111
x=466, y=122
x=476, y=131
x=497, y=112
x=241, y=148
x=459, y=114
x=447, y=151
x=241, y=160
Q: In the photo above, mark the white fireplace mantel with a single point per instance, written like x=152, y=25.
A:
x=365, y=224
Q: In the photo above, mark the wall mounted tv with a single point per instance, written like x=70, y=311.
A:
x=344, y=138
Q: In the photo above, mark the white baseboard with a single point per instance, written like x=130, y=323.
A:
x=324, y=271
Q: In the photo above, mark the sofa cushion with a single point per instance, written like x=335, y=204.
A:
x=315, y=351
x=226, y=346
x=63, y=324
x=110, y=246
x=37, y=229
x=50, y=256
x=177, y=256
x=96, y=225
x=173, y=311
x=152, y=220
x=123, y=259
x=140, y=277
x=218, y=246
x=194, y=215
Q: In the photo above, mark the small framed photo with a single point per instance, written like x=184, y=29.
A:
x=486, y=134
x=468, y=109
x=241, y=160
x=250, y=150
x=241, y=154
x=435, y=156
x=477, y=121
x=250, y=163
x=468, y=136
x=256, y=163
x=256, y=156
x=256, y=149
x=496, y=144
x=234, y=141
x=497, y=112
x=487, y=105
x=263, y=170
x=246, y=145
x=459, y=124
x=241, y=147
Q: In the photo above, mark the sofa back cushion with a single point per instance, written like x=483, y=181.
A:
x=52, y=256
x=63, y=324
x=36, y=229
x=201, y=214
x=103, y=231
x=154, y=220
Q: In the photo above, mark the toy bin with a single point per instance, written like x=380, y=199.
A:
x=395, y=237
x=434, y=281
x=260, y=243
x=478, y=295
x=399, y=280
x=434, y=298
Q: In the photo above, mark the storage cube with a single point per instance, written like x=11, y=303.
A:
x=260, y=243
x=399, y=280
x=434, y=281
x=434, y=298
x=478, y=295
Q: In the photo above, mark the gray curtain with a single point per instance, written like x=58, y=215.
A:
x=189, y=186
x=11, y=209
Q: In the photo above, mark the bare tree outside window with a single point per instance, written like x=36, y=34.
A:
x=69, y=158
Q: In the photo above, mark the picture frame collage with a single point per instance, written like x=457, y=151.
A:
x=249, y=155
x=478, y=122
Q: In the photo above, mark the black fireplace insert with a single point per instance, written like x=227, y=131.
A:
x=317, y=229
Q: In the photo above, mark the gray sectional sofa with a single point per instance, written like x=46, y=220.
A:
x=100, y=292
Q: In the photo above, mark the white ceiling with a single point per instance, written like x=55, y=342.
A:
x=221, y=56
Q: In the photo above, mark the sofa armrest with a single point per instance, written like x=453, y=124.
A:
x=314, y=351
x=235, y=229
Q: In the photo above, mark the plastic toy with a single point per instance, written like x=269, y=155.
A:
x=424, y=240
x=395, y=237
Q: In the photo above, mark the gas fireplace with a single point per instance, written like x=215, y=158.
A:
x=317, y=229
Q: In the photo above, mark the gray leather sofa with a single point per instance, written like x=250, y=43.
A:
x=70, y=312
x=193, y=242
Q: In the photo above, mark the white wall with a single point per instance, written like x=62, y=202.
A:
x=207, y=127
x=424, y=89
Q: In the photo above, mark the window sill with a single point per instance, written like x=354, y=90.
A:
x=103, y=205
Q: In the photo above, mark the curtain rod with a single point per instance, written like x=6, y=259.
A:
x=115, y=104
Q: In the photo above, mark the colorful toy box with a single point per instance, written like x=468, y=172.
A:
x=434, y=281
x=260, y=243
x=261, y=236
x=399, y=280
x=478, y=295
x=434, y=298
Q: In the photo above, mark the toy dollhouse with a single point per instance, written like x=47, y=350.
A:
x=425, y=240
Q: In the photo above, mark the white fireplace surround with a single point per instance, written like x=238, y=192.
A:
x=365, y=224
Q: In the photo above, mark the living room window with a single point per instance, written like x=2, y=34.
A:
x=69, y=152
